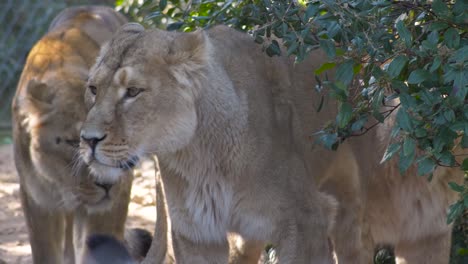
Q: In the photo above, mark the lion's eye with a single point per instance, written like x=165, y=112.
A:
x=132, y=92
x=92, y=89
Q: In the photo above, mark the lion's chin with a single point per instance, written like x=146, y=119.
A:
x=103, y=205
x=106, y=174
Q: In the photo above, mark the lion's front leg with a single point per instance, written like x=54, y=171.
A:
x=301, y=242
x=46, y=232
x=191, y=252
x=304, y=235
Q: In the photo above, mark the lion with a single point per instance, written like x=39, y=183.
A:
x=62, y=203
x=231, y=128
x=223, y=128
x=379, y=207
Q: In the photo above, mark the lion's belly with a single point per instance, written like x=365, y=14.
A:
x=253, y=226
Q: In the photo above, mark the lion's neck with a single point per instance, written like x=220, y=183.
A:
x=218, y=140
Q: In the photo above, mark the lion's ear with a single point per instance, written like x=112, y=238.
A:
x=39, y=96
x=189, y=50
x=37, y=104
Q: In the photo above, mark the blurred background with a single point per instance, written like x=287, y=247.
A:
x=22, y=23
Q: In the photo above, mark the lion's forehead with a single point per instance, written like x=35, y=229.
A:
x=133, y=75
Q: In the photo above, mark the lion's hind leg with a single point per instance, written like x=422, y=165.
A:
x=190, y=252
x=428, y=249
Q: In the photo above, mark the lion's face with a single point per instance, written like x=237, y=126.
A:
x=141, y=100
x=54, y=117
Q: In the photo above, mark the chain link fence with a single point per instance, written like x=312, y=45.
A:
x=22, y=23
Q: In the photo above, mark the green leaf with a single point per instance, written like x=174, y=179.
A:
x=440, y=8
x=461, y=83
x=273, y=49
x=405, y=161
x=460, y=55
x=418, y=76
x=399, y=86
x=344, y=72
x=258, y=39
x=292, y=48
x=344, y=115
x=404, y=120
x=174, y=26
x=397, y=65
x=357, y=68
x=452, y=38
x=435, y=64
x=325, y=67
x=446, y=158
x=390, y=151
x=449, y=115
x=162, y=4
x=426, y=166
x=420, y=132
x=409, y=146
x=333, y=29
x=438, y=26
x=464, y=165
x=356, y=126
x=329, y=47
x=433, y=38
x=312, y=10
x=404, y=33
x=454, y=186
x=455, y=211
x=407, y=101
x=329, y=140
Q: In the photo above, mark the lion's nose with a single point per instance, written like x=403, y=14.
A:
x=92, y=141
x=105, y=186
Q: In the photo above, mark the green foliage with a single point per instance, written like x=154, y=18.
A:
x=460, y=240
x=408, y=57
x=384, y=256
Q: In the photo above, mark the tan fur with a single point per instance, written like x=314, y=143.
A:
x=60, y=199
x=232, y=129
x=380, y=206
x=222, y=123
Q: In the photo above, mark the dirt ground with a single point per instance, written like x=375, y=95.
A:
x=14, y=245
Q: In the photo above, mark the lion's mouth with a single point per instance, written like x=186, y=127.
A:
x=120, y=164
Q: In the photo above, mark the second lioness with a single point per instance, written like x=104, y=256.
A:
x=59, y=199
x=226, y=134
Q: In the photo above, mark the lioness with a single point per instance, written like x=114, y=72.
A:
x=380, y=207
x=229, y=124
x=225, y=129
x=59, y=196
